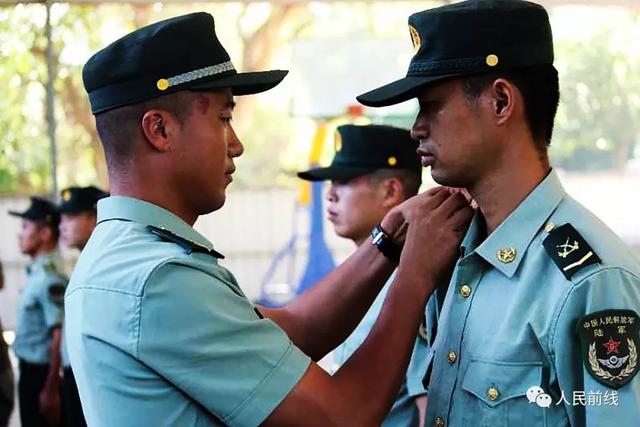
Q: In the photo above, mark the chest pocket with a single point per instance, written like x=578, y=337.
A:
x=495, y=394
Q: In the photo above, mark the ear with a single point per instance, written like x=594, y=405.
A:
x=503, y=100
x=159, y=127
x=393, y=193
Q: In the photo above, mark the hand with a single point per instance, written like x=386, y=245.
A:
x=466, y=194
x=50, y=406
x=396, y=221
x=435, y=231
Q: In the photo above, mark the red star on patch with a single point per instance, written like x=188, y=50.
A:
x=612, y=346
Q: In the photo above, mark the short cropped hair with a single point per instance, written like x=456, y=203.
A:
x=120, y=127
x=540, y=90
x=409, y=180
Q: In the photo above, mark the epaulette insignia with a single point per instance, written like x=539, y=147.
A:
x=609, y=342
x=569, y=250
x=56, y=293
x=182, y=242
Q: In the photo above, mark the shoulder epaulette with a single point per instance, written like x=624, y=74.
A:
x=182, y=242
x=568, y=249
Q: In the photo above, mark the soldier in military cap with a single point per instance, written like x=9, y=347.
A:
x=78, y=210
x=540, y=322
x=40, y=314
x=374, y=169
x=158, y=332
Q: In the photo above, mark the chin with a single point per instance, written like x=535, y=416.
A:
x=217, y=202
x=447, y=180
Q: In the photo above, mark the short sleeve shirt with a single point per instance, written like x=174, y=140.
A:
x=159, y=333
x=508, y=331
x=40, y=308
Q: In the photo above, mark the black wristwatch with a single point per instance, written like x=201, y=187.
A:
x=385, y=245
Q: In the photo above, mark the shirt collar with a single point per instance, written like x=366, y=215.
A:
x=41, y=261
x=145, y=213
x=514, y=235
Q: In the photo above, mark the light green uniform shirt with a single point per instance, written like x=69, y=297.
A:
x=509, y=330
x=404, y=412
x=40, y=308
x=159, y=334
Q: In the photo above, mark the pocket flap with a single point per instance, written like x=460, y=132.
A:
x=495, y=382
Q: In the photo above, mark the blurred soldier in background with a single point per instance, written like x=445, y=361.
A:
x=78, y=207
x=375, y=168
x=40, y=315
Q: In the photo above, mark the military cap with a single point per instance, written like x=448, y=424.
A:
x=80, y=199
x=181, y=53
x=469, y=38
x=40, y=210
x=363, y=149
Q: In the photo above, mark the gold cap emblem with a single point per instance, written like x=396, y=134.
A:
x=415, y=38
x=66, y=195
x=492, y=60
x=163, y=84
x=506, y=255
x=338, y=141
x=392, y=161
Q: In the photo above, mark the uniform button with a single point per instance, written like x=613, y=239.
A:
x=493, y=393
x=439, y=422
x=451, y=357
x=465, y=291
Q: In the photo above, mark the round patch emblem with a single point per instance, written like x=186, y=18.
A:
x=338, y=141
x=415, y=38
x=492, y=60
x=392, y=161
x=163, y=84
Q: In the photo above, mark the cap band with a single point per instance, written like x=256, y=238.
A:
x=200, y=73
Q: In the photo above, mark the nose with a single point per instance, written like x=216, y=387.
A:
x=235, y=148
x=420, y=129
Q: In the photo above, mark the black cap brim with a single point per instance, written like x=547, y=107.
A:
x=399, y=91
x=25, y=215
x=334, y=172
x=245, y=83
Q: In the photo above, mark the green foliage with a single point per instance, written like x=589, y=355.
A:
x=24, y=150
x=598, y=124
x=598, y=121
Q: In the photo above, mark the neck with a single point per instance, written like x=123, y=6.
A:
x=43, y=249
x=501, y=191
x=160, y=194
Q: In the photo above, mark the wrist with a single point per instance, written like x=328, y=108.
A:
x=392, y=225
x=383, y=242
